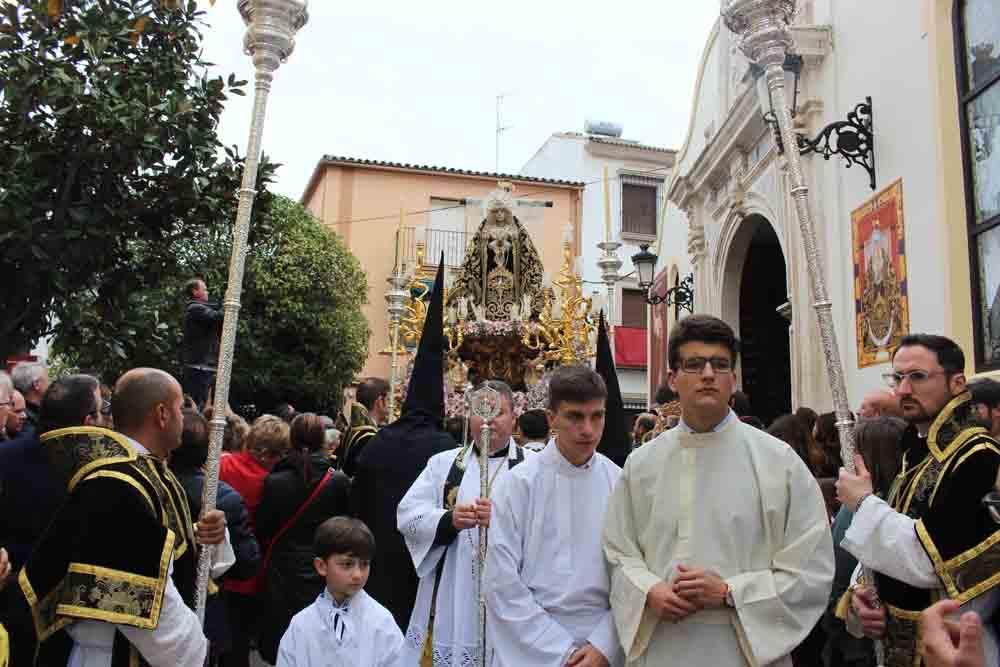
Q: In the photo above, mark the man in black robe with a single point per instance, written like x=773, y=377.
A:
x=933, y=537
x=393, y=459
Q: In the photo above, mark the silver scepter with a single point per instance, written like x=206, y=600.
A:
x=762, y=26
x=269, y=40
x=485, y=404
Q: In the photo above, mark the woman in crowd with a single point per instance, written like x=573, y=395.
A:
x=791, y=429
x=245, y=471
x=187, y=463
x=877, y=441
x=299, y=494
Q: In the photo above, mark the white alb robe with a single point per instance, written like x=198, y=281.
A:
x=736, y=501
x=547, y=582
x=365, y=633
x=455, y=639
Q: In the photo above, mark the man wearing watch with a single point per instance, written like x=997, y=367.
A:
x=716, y=535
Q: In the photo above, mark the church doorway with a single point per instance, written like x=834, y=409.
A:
x=766, y=358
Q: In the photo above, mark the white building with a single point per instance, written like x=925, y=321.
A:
x=636, y=177
x=932, y=70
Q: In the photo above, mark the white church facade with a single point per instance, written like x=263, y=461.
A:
x=918, y=253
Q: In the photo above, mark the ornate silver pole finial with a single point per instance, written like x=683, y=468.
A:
x=485, y=404
x=762, y=26
x=269, y=40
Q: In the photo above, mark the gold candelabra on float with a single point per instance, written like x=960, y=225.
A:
x=565, y=326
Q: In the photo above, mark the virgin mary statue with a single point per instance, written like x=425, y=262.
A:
x=501, y=271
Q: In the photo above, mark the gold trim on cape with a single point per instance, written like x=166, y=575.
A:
x=101, y=458
x=58, y=610
x=114, y=474
x=943, y=419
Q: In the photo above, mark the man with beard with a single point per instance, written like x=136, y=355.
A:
x=933, y=537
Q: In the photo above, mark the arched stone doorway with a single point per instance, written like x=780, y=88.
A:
x=755, y=286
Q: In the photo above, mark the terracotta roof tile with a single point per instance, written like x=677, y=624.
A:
x=339, y=159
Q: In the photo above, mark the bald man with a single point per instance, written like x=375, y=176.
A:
x=880, y=403
x=121, y=553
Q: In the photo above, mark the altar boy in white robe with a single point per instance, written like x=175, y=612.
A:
x=439, y=519
x=547, y=582
x=717, y=534
x=344, y=627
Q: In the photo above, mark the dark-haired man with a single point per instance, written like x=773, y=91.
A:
x=370, y=410
x=439, y=519
x=532, y=430
x=30, y=490
x=717, y=534
x=547, y=586
x=932, y=538
x=120, y=553
x=986, y=400
x=200, y=349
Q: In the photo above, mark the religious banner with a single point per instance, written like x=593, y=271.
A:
x=657, y=362
x=881, y=304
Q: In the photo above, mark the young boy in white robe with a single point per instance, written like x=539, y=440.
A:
x=344, y=627
x=546, y=581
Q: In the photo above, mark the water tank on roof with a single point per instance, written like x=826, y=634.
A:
x=603, y=127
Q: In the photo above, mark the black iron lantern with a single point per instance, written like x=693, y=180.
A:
x=852, y=139
x=681, y=296
x=645, y=266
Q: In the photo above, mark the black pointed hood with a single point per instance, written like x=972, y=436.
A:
x=425, y=393
x=615, y=440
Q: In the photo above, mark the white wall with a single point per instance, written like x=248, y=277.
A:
x=878, y=49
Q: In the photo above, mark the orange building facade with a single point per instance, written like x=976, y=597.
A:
x=363, y=201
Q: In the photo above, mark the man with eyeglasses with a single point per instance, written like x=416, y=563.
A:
x=933, y=537
x=16, y=418
x=716, y=535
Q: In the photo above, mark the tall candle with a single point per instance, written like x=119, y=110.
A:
x=607, y=207
x=399, y=234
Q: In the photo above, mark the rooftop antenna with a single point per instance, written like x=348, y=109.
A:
x=501, y=128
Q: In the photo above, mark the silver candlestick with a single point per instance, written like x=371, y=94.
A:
x=269, y=40
x=609, y=263
x=485, y=404
x=395, y=299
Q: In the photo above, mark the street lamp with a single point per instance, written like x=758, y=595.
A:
x=680, y=295
x=762, y=26
x=852, y=139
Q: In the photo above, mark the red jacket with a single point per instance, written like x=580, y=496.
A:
x=242, y=472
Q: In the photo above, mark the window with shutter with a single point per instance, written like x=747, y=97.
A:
x=638, y=209
x=633, y=309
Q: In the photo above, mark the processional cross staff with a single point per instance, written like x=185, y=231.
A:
x=269, y=40
x=485, y=404
x=762, y=27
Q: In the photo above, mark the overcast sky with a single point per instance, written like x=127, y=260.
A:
x=417, y=82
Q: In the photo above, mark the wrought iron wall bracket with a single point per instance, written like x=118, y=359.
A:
x=852, y=139
x=681, y=296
